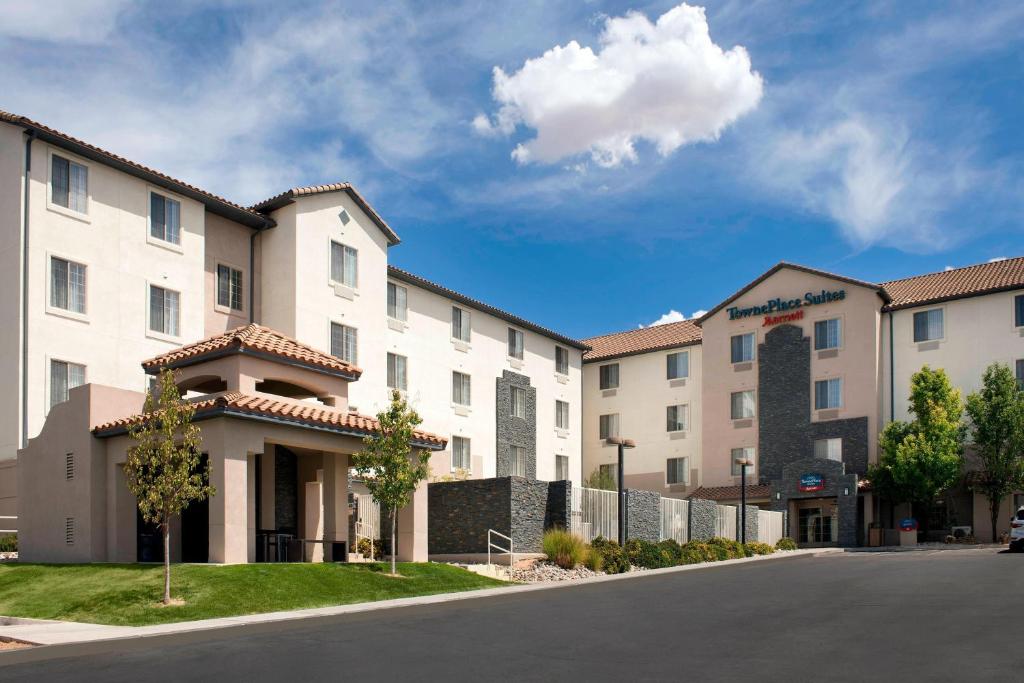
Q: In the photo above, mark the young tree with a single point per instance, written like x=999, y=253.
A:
x=599, y=479
x=162, y=468
x=997, y=430
x=924, y=457
x=388, y=464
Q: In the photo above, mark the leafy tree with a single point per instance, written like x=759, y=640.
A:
x=601, y=480
x=924, y=457
x=391, y=470
x=997, y=431
x=162, y=469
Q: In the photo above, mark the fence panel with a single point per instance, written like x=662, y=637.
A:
x=769, y=526
x=675, y=519
x=594, y=513
x=367, y=520
x=725, y=522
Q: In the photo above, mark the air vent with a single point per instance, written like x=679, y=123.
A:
x=69, y=530
x=69, y=466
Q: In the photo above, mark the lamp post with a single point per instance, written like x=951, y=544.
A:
x=744, y=463
x=623, y=444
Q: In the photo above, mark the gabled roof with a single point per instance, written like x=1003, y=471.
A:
x=213, y=203
x=643, y=340
x=269, y=408
x=754, y=492
x=256, y=340
x=289, y=196
x=959, y=283
x=406, y=276
x=794, y=266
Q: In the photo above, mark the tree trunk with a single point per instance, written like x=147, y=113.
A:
x=993, y=508
x=167, y=562
x=394, y=517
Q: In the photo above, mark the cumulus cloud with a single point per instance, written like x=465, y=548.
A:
x=664, y=82
x=674, y=316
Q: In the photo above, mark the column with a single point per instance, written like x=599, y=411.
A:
x=335, y=493
x=412, y=527
x=229, y=507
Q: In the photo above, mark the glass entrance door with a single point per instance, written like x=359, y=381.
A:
x=817, y=526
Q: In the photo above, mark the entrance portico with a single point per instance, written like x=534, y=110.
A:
x=820, y=500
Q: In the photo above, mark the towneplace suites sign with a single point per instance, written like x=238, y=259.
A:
x=778, y=310
x=811, y=481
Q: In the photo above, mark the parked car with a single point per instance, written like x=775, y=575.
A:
x=1017, y=531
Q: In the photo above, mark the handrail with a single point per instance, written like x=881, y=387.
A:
x=491, y=544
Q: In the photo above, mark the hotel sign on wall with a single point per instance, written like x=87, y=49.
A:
x=776, y=311
x=811, y=482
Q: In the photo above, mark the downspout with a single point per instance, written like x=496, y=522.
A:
x=252, y=276
x=24, y=291
x=892, y=375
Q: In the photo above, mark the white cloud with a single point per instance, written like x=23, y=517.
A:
x=996, y=259
x=76, y=21
x=666, y=83
x=674, y=316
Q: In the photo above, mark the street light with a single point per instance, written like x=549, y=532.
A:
x=744, y=463
x=623, y=444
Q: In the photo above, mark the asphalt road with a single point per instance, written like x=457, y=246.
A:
x=933, y=615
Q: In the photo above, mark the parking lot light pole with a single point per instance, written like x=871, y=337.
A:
x=623, y=444
x=744, y=463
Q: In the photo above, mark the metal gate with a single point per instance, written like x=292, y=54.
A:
x=675, y=519
x=594, y=513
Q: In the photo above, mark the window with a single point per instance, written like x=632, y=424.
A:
x=609, y=426
x=741, y=454
x=515, y=343
x=164, y=310
x=460, y=453
x=396, y=372
x=1018, y=310
x=229, y=287
x=742, y=346
x=742, y=404
x=344, y=264
x=561, y=360
x=518, y=396
x=678, y=418
x=610, y=376
x=64, y=377
x=829, y=449
x=561, y=414
x=561, y=468
x=828, y=393
x=460, y=324
x=678, y=365
x=827, y=334
x=69, y=184
x=69, y=466
x=609, y=472
x=398, y=302
x=518, y=459
x=675, y=471
x=928, y=325
x=345, y=343
x=1020, y=372
x=67, y=285
x=460, y=388
x=164, y=218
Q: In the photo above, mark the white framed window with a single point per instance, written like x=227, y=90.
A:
x=460, y=388
x=164, y=311
x=562, y=468
x=164, y=218
x=676, y=471
x=828, y=334
x=829, y=449
x=610, y=470
x=742, y=404
x=1018, y=310
x=398, y=302
x=742, y=347
x=345, y=343
x=561, y=360
x=518, y=457
x=344, y=265
x=229, y=287
x=828, y=393
x=69, y=184
x=461, y=458
x=677, y=365
x=561, y=414
x=396, y=372
x=929, y=325
x=64, y=377
x=518, y=400
x=460, y=324
x=677, y=418
x=746, y=453
x=67, y=285
x=608, y=426
x=515, y=343
x=609, y=376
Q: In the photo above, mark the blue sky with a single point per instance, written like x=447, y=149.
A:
x=622, y=162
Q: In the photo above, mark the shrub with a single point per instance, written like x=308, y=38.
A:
x=726, y=549
x=8, y=544
x=563, y=548
x=672, y=551
x=696, y=552
x=645, y=554
x=592, y=560
x=613, y=557
x=786, y=544
x=363, y=547
x=758, y=548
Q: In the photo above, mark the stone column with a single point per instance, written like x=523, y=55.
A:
x=229, y=507
x=412, y=527
x=335, y=495
x=703, y=514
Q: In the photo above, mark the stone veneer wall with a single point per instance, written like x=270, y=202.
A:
x=703, y=514
x=529, y=504
x=752, y=525
x=837, y=482
x=559, y=505
x=643, y=515
x=515, y=431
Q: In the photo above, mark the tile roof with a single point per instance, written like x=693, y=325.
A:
x=406, y=276
x=253, y=339
x=754, y=491
x=288, y=196
x=247, y=406
x=983, y=278
x=643, y=340
x=214, y=203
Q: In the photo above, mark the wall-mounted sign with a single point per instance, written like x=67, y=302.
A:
x=908, y=524
x=811, y=481
x=770, y=308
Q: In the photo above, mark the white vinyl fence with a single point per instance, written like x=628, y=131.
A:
x=367, y=521
x=769, y=526
x=725, y=522
x=594, y=513
x=675, y=519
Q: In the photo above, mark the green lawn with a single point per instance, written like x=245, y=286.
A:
x=129, y=594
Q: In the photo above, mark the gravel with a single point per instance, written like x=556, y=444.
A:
x=544, y=572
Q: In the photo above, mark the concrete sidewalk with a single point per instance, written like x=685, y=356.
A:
x=43, y=632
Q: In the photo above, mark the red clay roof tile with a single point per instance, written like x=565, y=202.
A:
x=643, y=340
